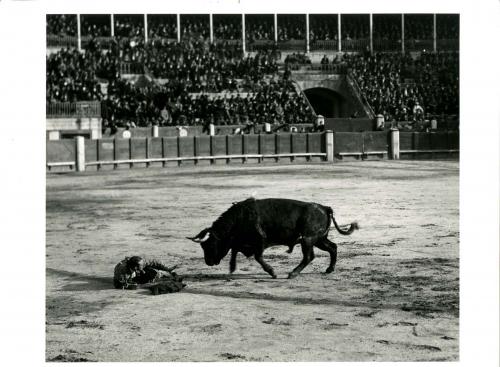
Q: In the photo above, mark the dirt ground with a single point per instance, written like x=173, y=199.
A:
x=393, y=296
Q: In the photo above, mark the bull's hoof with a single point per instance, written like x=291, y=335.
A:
x=292, y=275
x=274, y=276
x=329, y=270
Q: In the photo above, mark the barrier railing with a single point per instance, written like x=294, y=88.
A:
x=231, y=42
x=73, y=109
x=328, y=68
x=360, y=44
x=81, y=153
x=393, y=143
x=324, y=45
x=258, y=45
x=226, y=148
x=62, y=41
x=292, y=45
x=419, y=45
x=447, y=44
x=131, y=68
x=103, y=41
x=386, y=45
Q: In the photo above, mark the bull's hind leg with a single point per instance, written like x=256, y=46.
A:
x=329, y=246
x=308, y=252
x=268, y=268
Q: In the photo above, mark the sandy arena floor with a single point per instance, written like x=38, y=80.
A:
x=393, y=296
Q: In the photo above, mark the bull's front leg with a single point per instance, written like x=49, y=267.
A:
x=268, y=268
x=232, y=261
x=308, y=252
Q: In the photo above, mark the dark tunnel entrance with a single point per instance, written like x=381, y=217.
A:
x=327, y=102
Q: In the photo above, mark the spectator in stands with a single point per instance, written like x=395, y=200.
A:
x=382, y=79
x=291, y=27
x=61, y=24
x=227, y=27
x=259, y=28
x=162, y=26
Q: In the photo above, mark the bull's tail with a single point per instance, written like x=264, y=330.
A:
x=346, y=230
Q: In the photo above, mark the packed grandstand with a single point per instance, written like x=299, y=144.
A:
x=206, y=72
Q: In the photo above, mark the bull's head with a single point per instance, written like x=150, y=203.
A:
x=213, y=248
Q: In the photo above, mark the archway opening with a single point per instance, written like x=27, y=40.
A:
x=327, y=102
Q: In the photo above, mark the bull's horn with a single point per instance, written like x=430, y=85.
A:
x=200, y=236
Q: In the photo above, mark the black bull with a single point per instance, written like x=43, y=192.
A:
x=251, y=226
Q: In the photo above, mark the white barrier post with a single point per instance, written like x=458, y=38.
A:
x=211, y=128
x=329, y=145
x=54, y=135
x=155, y=131
x=80, y=153
x=394, y=144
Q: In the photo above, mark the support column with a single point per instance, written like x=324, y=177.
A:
x=243, y=36
x=434, y=33
x=394, y=154
x=329, y=145
x=211, y=17
x=145, y=28
x=371, y=33
x=79, y=31
x=275, y=27
x=402, y=33
x=178, y=27
x=112, y=25
x=211, y=129
x=80, y=153
x=307, y=33
x=339, y=33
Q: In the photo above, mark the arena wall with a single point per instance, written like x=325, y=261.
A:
x=57, y=128
x=283, y=147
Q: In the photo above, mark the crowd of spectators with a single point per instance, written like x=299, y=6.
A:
x=259, y=28
x=96, y=25
x=129, y=26
x=162, y=26
x=419, y=27
x=404, y=89
x=274, y=101
x=291, y=27
x=192, y=83
x=71, y=76
x=323, y=27
x=61, y=24
x=227, y=27
x=197, y=65
x=387, y=26
x=355, y=27
x=297, y=58
x=195, y=26
x=447, y=26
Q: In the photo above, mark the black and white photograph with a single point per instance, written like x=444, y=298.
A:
x=227, y=181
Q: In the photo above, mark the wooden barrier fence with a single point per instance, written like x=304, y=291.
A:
x=81, y=153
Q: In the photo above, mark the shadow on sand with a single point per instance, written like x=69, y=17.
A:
x=82, y=282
